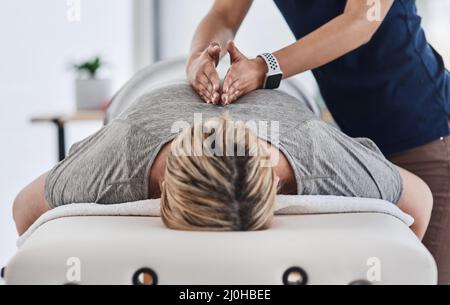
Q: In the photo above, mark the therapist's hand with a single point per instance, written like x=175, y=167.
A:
x=244, y=76
x=202, y=74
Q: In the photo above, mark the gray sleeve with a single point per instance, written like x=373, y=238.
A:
x=53, y=191
x=385, y=174
x=399, y=186
x=336, y=164
x=369, y=144
x=390, y=182
x=105, y=168
x=80, y=144
x=70, y=181
x=64, y=183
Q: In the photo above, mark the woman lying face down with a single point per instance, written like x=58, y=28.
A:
x=223, y=179
x=140, y=154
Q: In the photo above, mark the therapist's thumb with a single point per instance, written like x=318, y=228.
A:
x=235, y=54
x=213, y=51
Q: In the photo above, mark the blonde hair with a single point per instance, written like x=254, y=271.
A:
x=214, y=191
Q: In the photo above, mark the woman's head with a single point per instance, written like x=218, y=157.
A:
x=218, y=177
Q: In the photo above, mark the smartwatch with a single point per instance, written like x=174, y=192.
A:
x=274, y=74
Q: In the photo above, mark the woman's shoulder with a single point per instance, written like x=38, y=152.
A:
x=171, y=90
x=318, y=129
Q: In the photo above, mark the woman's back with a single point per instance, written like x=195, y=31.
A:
x=112, y=165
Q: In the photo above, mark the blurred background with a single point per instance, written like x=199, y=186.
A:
x=42, y=40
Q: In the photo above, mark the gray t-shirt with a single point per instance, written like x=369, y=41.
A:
x=112, y=165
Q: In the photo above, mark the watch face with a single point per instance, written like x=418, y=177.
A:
x=273, y=81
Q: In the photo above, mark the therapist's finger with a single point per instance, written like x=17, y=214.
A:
x=213, y=51
x=238, y=94
x=203, y=97
x=204, y=93
x=234, y=86
x=213, y=76
x=235, y=96
x=214, y=79
x=213, y=85
x=229, y=79
x=206, y=83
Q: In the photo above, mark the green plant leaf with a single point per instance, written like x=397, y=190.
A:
x=90, y=67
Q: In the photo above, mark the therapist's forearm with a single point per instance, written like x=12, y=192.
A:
x=213, y=28
x=338, y=37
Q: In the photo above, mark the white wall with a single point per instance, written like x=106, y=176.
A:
x=37, y=43
x=263, y=30
x=436, y=22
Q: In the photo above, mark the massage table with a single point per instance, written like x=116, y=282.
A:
x=313, y=239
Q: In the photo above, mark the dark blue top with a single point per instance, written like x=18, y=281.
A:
x=394, y=90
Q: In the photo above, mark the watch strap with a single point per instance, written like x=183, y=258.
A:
x=273, y=67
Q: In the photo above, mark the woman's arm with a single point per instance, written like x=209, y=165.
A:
x=30, y=204
x=417, y=201
x=338, y=37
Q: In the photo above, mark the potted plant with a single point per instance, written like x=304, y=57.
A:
x=92, y=92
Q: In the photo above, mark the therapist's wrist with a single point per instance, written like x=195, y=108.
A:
x=261, y=70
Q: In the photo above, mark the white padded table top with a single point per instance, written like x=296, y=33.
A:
x=332, y=249
x=285, y=205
